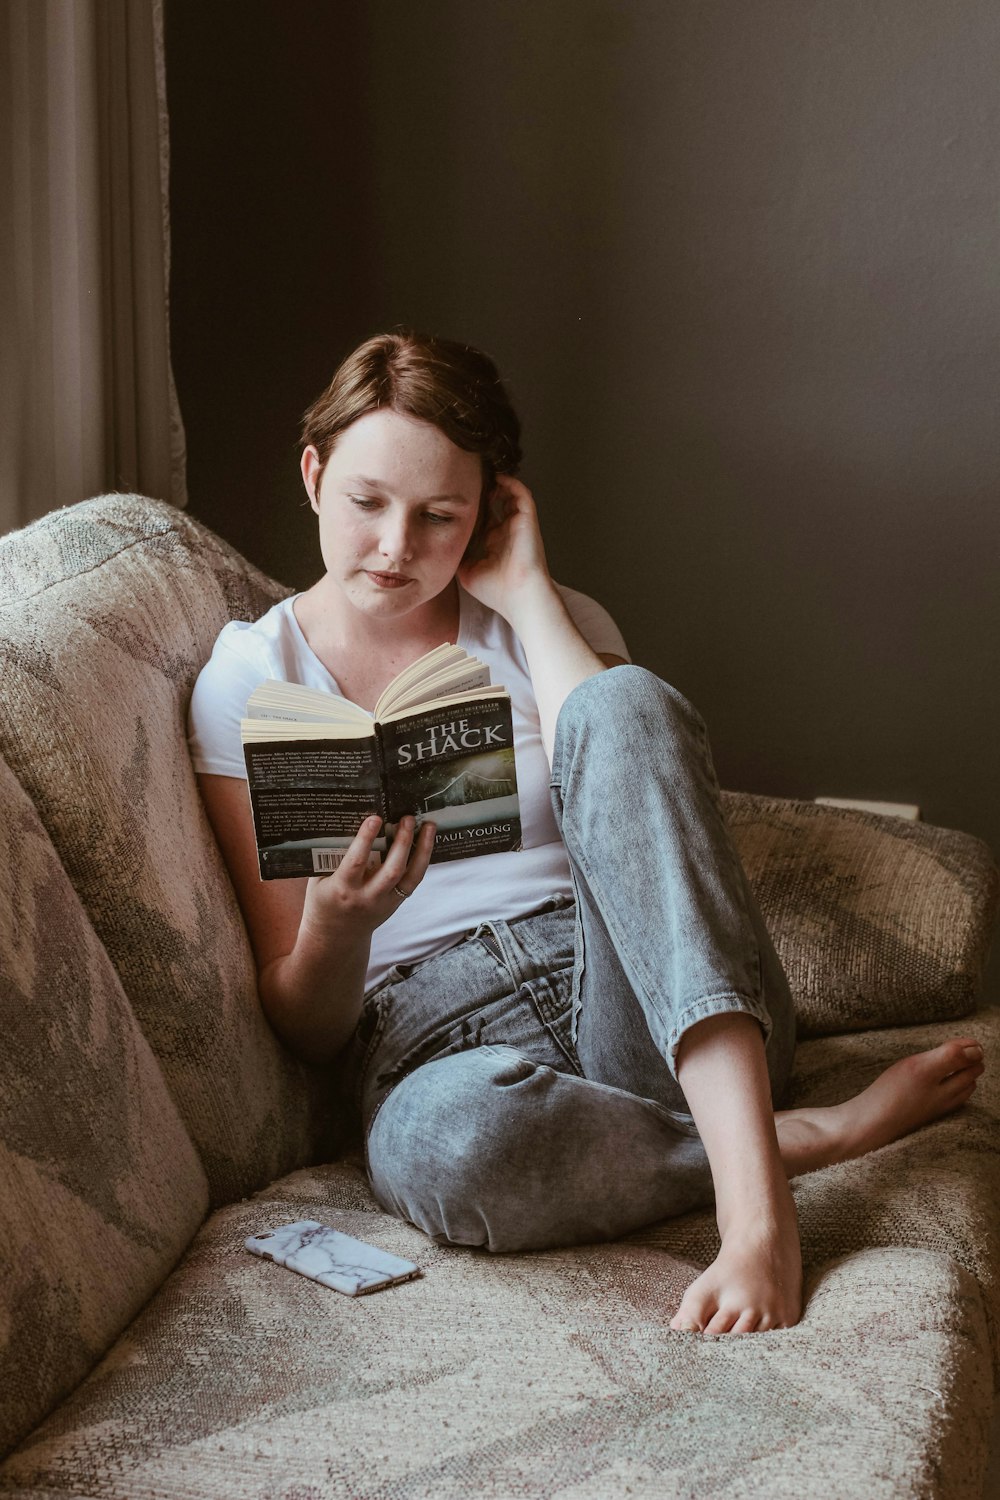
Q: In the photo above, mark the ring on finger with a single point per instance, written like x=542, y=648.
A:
x=400, y=892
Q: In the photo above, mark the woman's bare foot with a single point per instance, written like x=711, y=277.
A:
x=910, y=1093
x=755, y=1281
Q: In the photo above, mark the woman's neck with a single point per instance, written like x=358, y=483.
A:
x=364, y=654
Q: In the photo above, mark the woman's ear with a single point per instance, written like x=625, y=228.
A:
x=311, y=471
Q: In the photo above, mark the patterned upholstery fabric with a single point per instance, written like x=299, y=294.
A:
x=109, y=609
x=555, y=1374
x=100, y=1186
x=878, y=921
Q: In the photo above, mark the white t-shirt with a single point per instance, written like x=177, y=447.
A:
x=456, y=895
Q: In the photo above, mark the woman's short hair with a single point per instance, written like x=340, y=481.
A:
x=453, y=386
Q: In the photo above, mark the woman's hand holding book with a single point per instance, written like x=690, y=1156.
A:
x=361, y=894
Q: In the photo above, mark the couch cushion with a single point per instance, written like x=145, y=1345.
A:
x=108, y=610
x=878, y=921
x=100, y=1186
x=549, y=1375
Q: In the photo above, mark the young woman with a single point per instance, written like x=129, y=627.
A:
x=565, y=1042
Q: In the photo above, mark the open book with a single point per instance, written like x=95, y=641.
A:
x=440, y=745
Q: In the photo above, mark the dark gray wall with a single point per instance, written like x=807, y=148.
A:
x=739, y=262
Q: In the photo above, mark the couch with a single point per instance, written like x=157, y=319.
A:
x=151, y=1121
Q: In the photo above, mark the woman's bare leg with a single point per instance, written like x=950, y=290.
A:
x=755, y=1282
x=910, y=1093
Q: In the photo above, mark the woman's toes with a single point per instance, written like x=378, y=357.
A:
x=961, y=1085
x=722, y=1322
x=685, y=1319
x=698, y=1306
x=693, y=1318
x=960, y=1053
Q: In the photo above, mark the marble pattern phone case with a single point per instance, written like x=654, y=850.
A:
x=333, y=1259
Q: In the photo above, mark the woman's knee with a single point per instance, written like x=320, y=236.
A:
x=454, y=1147
x=488, y=1148
x=628, y=700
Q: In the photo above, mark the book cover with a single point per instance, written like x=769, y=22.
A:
x=318, y=765
x=309, y=797
x=457, y=770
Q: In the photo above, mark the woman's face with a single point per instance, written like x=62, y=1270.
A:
x=397, y=505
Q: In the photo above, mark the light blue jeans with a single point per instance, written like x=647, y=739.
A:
x=519, y=1090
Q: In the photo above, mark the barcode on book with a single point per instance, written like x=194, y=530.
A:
x=325, y=861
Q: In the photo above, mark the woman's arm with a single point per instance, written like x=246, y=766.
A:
x=311, y=938
x=513, y=578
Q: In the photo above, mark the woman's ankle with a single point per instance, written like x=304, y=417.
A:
x=760, y=1206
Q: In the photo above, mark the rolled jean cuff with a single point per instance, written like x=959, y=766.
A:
x=715, y=1005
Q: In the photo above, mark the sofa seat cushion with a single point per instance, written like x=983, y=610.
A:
x=878, y=921
x=553, y=1375
x=108, y=610
x=556, y=1374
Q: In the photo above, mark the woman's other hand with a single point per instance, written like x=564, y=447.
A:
x=513, y=578
x=512, y=557
x=360, y=899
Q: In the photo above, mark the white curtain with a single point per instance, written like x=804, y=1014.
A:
x=87, y=399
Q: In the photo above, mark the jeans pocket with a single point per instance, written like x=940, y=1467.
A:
x=552, y=997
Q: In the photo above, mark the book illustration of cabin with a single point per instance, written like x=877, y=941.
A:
x=468, y=787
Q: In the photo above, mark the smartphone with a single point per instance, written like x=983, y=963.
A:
x=333, y=1259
